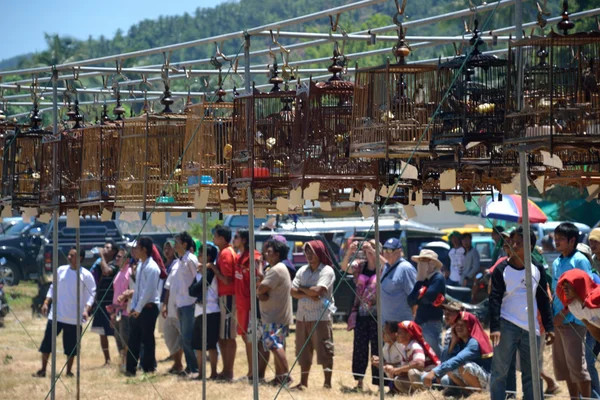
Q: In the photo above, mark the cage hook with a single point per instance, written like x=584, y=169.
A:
x=334, y=25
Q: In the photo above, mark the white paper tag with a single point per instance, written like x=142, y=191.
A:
x=325, y=206
x=73, y=219
x=355, y=195
x=223, y=194
x=593, y=191
x=366, y=210
x=283, y=204
x=369, y=195
x=45, y=218
x=408, y=171
x=472, y=144
x=448, y=179
x=106, y=215
x=516, y=183
x=507, y=188
x=410, y=212
x=260, y=213
x=539, y=184
x=296, y=198
x=159, y=219
x=384, y=191
x=418, y=195
x=551, y=160
x=312, y=191
x=458, y=204
x=201, y=199
x=176, y=213
x=28, y=213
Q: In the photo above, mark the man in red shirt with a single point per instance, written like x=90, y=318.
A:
x=224, y=271
x=243, y=300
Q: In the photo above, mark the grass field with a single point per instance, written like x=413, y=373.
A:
x=19, y=358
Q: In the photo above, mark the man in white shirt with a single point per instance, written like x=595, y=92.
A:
x=144, y=310
x=179, y=287
x=171, y=328
x=66, y=309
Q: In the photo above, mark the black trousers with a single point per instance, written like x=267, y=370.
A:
x=141, y=331
x=365, y=333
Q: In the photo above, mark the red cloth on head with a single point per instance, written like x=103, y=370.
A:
x=584, y=286
x=158, y=259
x=414, y=330
x=476, y=331
x=320, y=251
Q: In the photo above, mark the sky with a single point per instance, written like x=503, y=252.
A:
x=24, y=22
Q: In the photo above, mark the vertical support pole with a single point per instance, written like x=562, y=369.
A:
x=253, y=323
x=533, y=347
x=379, y=312
x=54, y=234
x=204, y=299
x=78, y=247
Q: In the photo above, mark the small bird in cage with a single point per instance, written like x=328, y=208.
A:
x=271, y=142
x=260, y=138
x=227, y=152
x=419, y=96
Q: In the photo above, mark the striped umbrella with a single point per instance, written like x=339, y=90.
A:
x=509, y=209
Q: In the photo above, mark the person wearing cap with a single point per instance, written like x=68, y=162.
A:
x=457, y=259
x=171, y=329
x=594, y=241
x=288, y=264
x=398, y=279
x=428, y=295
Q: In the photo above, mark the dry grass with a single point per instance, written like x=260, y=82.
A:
x=20, y=358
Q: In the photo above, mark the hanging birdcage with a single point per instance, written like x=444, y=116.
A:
x=6, y=129
x=473, y=108
x=23, y=162
x=561, y=94
x=393, y=105
x=61, y=165
x=320, y=145
x=208, y=137
x=263, y=124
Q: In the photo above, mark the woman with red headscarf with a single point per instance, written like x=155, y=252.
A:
x=468, y=357
x=416, y=355
x=313, y=287
x=581, y=295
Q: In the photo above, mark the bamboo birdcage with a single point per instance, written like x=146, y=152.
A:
x=561, y=94
x=263, y=125
x=393, y=105
x=149, y=172
x=22, y=163
x=320, y=146
x=473, y=110
x=208, y=137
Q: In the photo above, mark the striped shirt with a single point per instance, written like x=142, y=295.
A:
x=414, y=352
x=457, y=262
x=308, y=309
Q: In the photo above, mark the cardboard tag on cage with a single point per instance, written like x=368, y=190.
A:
x=325, y=206
x=516, y=183
x=201, y=199
x=260, y=213
x=471, y=145
x=507, y=188
x=223, y=194
x=7, y=211
x=129, y=216
x=369, y=195
x=29, y=212
x=593, y=191
x=458, y=204
x=384, y=191
x=296, y=198
x=312, y=191
x=366, y=210
x=551, y=160
x=355, y=195
x=175, y=213
x=410, y=212
x=283, y=204
x=45, y=218
x=539, y=184
x=408, y=171
x=106, y=215
x=448, y=179
x=159, y=219
x=415, y=198
x=73, y=219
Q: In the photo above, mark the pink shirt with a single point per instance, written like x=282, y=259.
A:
x=121, y=284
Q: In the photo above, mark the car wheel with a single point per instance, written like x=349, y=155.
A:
x=9, y=273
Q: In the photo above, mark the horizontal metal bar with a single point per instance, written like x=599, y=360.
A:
x=198, y=42
x=444, y=39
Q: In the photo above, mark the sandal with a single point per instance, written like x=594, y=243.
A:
x=552, y=391
x=39, y=374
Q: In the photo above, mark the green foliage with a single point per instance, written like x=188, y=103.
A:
x=196, y=229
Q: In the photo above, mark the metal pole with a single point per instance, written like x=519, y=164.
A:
x=533, y=346
x=78, y=247
x=251, y=238
x=54, y=237
x=204, y=299
x=379, y=312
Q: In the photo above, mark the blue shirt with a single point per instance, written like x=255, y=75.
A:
x=396, y=285
x=146, y=285
x=461, y=354
x=561, y=265
x=426, y=311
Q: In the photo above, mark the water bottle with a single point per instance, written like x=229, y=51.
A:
x=330, y=305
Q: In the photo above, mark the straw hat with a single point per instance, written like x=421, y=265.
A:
x=427, y=255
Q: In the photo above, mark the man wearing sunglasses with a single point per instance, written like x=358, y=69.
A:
x=397, y=281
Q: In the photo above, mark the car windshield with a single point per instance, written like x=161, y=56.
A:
x=16, y=229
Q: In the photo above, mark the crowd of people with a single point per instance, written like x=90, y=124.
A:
x=429, y=341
